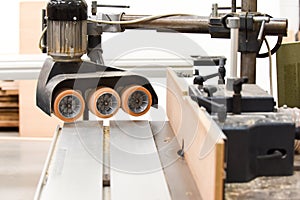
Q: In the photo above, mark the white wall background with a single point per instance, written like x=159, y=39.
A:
x=9, y=15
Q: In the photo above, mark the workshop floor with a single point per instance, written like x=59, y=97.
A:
x=21, y=164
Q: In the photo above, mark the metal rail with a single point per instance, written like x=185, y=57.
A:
x=43, y=178
x=183, y=24
x=28, y=67
x=194, y=24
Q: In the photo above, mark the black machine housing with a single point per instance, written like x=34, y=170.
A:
x=258, y=145
x=260, y=141
x=83, y=76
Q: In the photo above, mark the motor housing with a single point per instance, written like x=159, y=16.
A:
x=67, y=29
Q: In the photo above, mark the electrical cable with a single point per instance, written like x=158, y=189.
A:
x=135, y=21
x=41, y=38
x=297, y=146
x=275, y=48
x=270, y=66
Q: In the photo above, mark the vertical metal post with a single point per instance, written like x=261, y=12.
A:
x=86, y=113
x=233, y=23
x=248, y=66
x=248, y=59
x=233, y=6
x=94, y=8
x=249, y=5
x=234, y=34
x=214, y=12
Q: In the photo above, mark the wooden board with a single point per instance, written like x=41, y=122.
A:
x=7, y=116
x=9, y=85
x=9, y=98
x=8, y=92
x=9, y=104
x=203, y=139
x=10, y=123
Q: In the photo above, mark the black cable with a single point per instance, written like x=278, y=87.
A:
x=275, y=48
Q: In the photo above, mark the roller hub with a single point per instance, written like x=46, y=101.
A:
x=68, y=105
x=104, y=102
x=136, y=100
x=107, y=103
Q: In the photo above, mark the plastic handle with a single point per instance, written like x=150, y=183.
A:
x=275, y=155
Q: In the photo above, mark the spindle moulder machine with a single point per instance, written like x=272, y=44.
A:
x=188, y=157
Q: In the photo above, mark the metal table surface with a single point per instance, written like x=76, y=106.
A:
x=136, y=171
x=143, y=163
x=75, y=169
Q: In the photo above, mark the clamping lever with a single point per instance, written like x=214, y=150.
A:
x=237, y=97
x=95, y=5
x=210, y=90
x=199, y=80
x=263, y=20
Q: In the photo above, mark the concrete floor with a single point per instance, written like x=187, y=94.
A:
x=21, y=164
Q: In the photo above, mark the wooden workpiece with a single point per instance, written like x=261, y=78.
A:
x=203, y=140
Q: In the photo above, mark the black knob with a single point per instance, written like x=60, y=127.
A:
x=210, y=90
x=237, y=84
x=199, y=80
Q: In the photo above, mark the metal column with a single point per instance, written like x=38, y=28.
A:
x=248, y=59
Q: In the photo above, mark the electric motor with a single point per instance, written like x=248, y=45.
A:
x=67, y=29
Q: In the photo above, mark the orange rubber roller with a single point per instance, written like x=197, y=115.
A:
x=136, y=100
x=104, y=102
x=68, y=105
